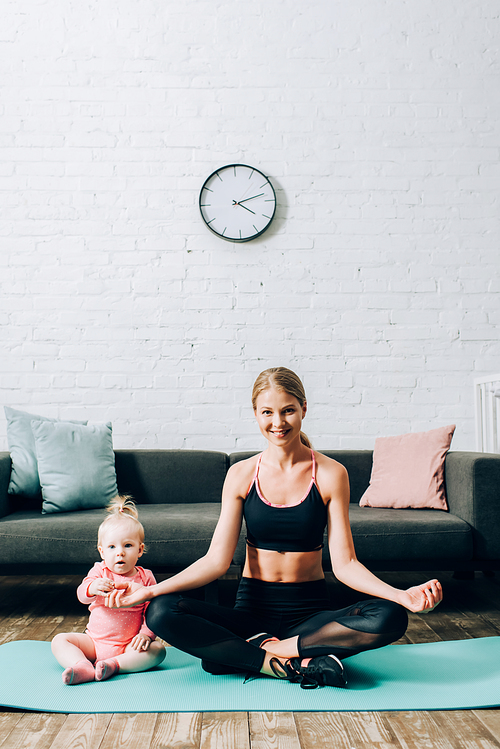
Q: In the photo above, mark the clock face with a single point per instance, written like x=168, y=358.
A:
x=237, y=202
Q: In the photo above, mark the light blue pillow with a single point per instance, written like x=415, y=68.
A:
x=76, y=465
x=24, y=473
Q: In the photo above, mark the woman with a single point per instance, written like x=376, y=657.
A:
x=283, y=624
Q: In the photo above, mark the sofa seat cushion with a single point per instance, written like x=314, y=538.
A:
x=409, y=534
x=175, y=535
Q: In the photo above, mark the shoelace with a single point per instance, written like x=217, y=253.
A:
x=285, y=671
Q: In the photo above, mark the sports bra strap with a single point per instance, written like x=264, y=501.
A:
x=255, y=475
x=257, y=468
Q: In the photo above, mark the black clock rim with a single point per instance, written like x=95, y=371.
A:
x=231, y=239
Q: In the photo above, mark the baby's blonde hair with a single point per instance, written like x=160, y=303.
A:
x=121, y=509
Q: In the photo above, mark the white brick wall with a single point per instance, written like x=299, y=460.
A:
x=378, y=124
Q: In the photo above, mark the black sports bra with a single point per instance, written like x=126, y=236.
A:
x=298, y=527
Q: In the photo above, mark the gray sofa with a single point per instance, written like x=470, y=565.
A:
x=178, y=492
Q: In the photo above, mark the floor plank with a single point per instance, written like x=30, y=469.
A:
x=225, y=731
x=418, y=730
x=490, y=719
x=82, y=731
x=273, y=731
x=35, y=731
x=370, y=730
x=490, y=587
x=472, y=618
x=177, y=731
x=419, y=629
x=70, y=623
x=46, y=598
x=8, y=721
x=446, y=628
x=467, y=730
x=322, y=731
x=129, y=731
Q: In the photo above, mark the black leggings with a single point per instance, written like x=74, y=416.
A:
x=218, y=634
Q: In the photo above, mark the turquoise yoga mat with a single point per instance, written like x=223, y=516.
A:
x=431, y=676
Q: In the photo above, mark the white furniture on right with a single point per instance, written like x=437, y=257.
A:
x=487, y=413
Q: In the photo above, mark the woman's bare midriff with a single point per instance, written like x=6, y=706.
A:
x=284, y=566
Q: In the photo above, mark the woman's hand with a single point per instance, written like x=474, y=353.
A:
x=126, y=595
x=422, y=598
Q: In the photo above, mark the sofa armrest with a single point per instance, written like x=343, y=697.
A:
x=4, y=483
x=473, y=493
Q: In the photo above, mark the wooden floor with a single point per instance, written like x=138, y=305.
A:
x=37, y=608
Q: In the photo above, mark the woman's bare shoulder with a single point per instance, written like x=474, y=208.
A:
x=329, y=464
x=331, y=475
x=240, y=475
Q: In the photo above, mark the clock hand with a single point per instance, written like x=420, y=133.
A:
x=253, y=196
x=244, y=206
x=235, y=202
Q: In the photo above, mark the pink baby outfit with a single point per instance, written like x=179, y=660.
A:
x=112, y=629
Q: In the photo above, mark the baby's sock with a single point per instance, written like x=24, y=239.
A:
x=79, y=673
x=106, y=669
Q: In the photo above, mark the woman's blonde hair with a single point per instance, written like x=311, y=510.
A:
x=281, y=378
x=121, y=509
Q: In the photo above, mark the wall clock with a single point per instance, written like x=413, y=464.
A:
x=237, y=202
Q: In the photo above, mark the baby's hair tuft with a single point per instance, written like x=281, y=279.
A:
x=121, y=509
x=123, y=504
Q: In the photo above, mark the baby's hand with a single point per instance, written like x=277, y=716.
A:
x=100, y=587
x=125, y=593
x=140, y=642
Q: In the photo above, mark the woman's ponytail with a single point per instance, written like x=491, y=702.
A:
x=305, y=440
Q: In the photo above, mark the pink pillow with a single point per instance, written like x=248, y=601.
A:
x=408, y=471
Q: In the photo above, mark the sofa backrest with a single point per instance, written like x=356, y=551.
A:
x=171, y=476
x=359, y=468
x=185, y=476
x=357, y=462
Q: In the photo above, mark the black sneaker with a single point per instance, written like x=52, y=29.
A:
x=321, y=671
